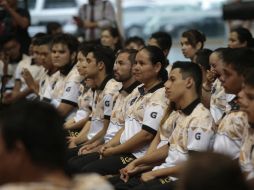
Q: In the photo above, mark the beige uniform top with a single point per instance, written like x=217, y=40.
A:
x=119, y=110
x=230, y=133
x=219, y=101
x=193, y=131
x=103, y=104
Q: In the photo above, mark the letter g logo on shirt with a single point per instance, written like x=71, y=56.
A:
x=154, y=115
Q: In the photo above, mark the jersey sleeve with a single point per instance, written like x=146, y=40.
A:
x=71, y=93
x=108, y=106
x=200, y=134
x=152, y=118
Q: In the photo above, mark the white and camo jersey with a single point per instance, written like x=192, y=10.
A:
x=66, y=89
x=47, y=85
x=193, y=131
x=144, y=112
x=246, y=157
x=85, y=101
x=37, y=72
x=118, y=112
x=230, y=133
x=103, y=104
x=219, y=101
x=167, y=128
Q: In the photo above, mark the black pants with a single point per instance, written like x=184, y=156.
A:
x=76, y=163
x=134, y=183
x=109, y=165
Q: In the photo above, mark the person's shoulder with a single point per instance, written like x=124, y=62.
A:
x=202, y=111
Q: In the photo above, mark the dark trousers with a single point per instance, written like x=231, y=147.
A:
x=109, y=165
x=76, y=163
x=135, y=183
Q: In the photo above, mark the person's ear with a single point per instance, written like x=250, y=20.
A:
x=189, y=82
x=101, y=65
x=157, y=67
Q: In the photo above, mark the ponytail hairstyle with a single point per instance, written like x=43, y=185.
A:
x=194, y=36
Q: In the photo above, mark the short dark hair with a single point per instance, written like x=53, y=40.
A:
x=248, y=77
x=244, y=35
x=132, y=54
x=156, y=55
x=106, y=55
x=134, y=39
x=202, y=58
x=189, y=69
x=66, y=39
x=241, y=59
x=194, y=36
x=38, y=126
x=85, y=48
x=163, y=39
x=43, y=40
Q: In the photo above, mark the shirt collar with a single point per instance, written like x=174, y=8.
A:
x=156, y=87
x=234, y=105
x=104, y=82
x=188, y=110
x=66, y=69
x=130, y=88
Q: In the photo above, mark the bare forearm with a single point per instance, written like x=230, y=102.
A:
x=78, y=124
x=134, y=143
x=154, y=144
x=157, y=156
x=116, y=139
x=172, y=171
x=82, y=136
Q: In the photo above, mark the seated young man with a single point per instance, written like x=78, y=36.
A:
x=99, y=67
x=193, y=130
x=123, y=74
x=230, y=132
x=63, y=93
x=41, y=49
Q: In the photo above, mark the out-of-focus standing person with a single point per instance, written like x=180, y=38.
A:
x=16, y=21
x=94, y=16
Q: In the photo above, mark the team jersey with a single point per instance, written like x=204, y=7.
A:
x=85, y=101
x=144, y=112
x=118, y=112
x=246, y=157
x=37, y=72
x=167, y=128
x=103, y=104
x=229, y=136
x=193, y=131
x=219, y=101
